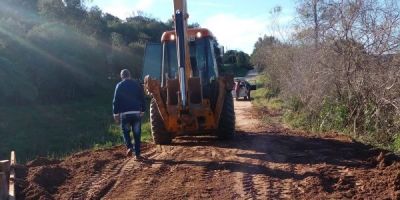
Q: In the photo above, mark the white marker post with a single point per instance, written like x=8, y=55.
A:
x=11, y=190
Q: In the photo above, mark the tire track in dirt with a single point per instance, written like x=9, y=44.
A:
x=211, y=172
x=257, y=184
x=206, y=175
x=285, y=189
x=263, y=182
x=190, y=169
x=251, y=183
x=96, y=184
x=102, y=182
x=249, y=186
x=152, y=181
x=129, y=172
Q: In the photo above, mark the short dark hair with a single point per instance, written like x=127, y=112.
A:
x=125, y=73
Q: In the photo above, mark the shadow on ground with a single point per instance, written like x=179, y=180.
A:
x=292, y=149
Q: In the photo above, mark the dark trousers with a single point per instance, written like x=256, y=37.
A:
x=134, y=122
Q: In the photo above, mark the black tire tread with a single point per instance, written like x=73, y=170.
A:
x=226, y=126
x=158, y=132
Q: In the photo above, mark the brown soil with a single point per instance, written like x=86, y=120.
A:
x=263, y=161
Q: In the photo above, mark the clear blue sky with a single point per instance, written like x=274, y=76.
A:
x=237, y=24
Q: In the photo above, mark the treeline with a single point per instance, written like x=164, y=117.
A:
x=237, y=58
x=236, y=62
x=340, y=70
x=57, y=51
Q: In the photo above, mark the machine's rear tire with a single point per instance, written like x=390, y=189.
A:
x=226, y=126
x=160, y=135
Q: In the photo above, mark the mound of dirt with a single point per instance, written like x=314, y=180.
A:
x=34, y=191
x=39, y=182
x=41, y=161
x=47, y=179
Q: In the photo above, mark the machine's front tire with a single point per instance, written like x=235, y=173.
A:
x=226, y=126
x=158, y=131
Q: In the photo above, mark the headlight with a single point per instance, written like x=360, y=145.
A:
x=198, y=34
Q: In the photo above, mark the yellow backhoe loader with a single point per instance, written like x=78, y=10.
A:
x=182, y=74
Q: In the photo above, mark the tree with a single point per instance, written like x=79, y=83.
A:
x=238, y=58
x=51, y=9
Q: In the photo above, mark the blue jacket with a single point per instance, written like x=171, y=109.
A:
x=128, y=96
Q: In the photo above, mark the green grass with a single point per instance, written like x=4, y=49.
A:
x=58, y=130
x=264, y=96
x=260, y=99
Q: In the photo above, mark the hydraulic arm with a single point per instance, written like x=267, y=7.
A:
x=183, y=53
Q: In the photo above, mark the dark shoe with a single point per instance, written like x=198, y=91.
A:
x=139, y=158
x=129, y=153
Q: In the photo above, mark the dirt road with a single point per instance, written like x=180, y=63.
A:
x=262, y=162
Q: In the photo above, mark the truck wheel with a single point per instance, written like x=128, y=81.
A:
x=160, y=135
x=226, y=126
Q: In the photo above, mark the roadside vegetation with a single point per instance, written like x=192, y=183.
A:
x=339, y=71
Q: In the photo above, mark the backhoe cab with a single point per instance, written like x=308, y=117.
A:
x=189, y=96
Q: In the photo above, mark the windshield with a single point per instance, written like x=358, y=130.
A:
x=152, y=61
x=201, y=59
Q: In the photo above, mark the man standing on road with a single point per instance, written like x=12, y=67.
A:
x=128, y=109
